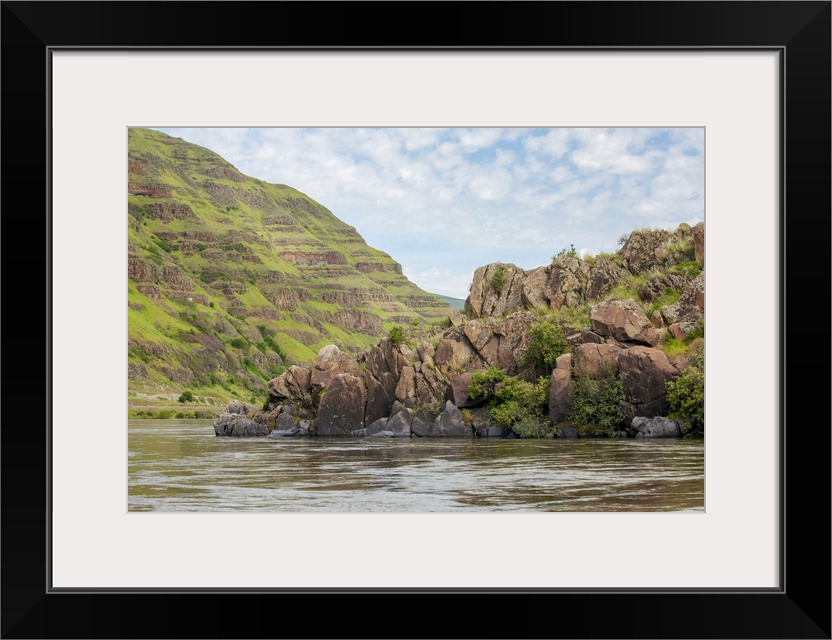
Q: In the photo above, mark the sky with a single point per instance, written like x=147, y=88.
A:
x=443, y=202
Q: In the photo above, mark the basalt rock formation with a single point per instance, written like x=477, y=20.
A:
x=637, y=315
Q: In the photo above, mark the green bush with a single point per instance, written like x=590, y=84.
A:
x=498, y=280
x=686, y=393
x=396, y=335
x=483, y=383
x=238, y=343
x=186, y=396
x=598, y=403
x=546, y=343
x=517, y=401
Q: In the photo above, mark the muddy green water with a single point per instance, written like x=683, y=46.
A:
x=180, y=465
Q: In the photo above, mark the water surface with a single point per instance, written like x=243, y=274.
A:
x=180, y=465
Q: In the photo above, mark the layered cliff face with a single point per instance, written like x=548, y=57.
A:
x=635, y=317
x=230, y=279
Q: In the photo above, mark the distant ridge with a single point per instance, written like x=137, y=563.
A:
x=453, y=303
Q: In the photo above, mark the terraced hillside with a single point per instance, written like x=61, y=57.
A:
x=230, y=279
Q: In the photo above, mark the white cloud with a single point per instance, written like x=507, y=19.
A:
x=445, y=201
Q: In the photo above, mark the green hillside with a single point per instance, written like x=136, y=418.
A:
x=230, y=279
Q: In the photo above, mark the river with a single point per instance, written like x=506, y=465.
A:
x=180, y=465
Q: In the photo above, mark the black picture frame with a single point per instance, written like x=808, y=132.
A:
x=800, y=608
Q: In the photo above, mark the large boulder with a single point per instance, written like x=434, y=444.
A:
x=533, y=292
x=293, y=385
x=561, y=395
x=341, y=408
x=564, y=288
x=658, y=427
x=330, y=363
x=238, y=425
x=453, y=355
x=458, y=390
x=596, y=359
x=486, y=299
x=646, y=373
x=622, y=320
x=448, y=424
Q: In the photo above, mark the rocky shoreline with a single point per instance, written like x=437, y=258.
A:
x=416, y=383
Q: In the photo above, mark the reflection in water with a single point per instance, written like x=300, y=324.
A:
x=179, y=465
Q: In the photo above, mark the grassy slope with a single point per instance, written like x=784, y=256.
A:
x=231, y=278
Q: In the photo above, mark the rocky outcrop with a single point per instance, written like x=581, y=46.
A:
x=418, y=387
x=646, y=373
x=342, y=405
x=624, y=321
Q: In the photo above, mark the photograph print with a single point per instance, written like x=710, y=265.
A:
x=416, y=320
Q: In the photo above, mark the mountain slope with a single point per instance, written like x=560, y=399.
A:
x=231, y=278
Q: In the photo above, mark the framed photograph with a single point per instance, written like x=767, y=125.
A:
x=753, y=76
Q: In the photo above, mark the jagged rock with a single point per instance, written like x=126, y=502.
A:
x=235, y=406
x=485, y=300
x=646, y=372
x=285, y=422
x=238, y=425
x=658, y=427
x=293, y=385
x=453, y=355
x=588, y=336
x=602, y=277
x=622, y=320
x=458, y=390
x=342, y=405
x=406, y=388
x=690, y=306
x=380, y=396
x=533, y=293
x=513, y=336
x=399, y=424
x=456, y=318
x=699, y=243
x=595, y=359
x=564, y=288
x=448, y=424
x=426, y=351
x=420, y=428
x=643, y=250
x=375, y=427
x=330, y=363
x=561, y=395
x=564, y=361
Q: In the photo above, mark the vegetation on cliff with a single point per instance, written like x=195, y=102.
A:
x=231, y=279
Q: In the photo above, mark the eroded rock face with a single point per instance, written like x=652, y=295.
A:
x=330, y=363
x=623, y=320
x=341, y=408
x=646, y=372
x=238, y=425
x=595, y=359
x=449, y=424
x=690, y=307
x=485, y=300
x=561, y=395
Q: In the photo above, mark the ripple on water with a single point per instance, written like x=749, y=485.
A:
x=181, y=466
